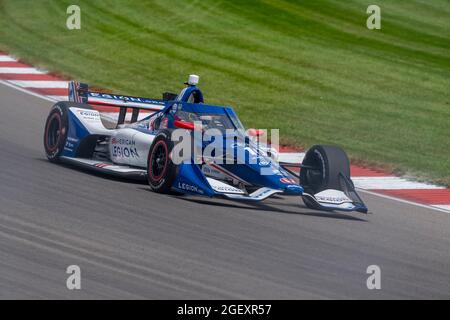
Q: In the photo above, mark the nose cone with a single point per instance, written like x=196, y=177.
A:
x=273, y=176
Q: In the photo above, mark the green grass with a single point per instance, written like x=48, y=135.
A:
x=310, y=68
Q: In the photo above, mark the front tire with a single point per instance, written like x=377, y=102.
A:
x=161, y=171
x=324, y=166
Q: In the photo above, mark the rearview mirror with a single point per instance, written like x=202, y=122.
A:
x=184, y=124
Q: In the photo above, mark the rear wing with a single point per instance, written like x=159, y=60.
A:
x=79, y=92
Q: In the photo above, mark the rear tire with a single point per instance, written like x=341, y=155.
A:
x=161, y=171
x=330, y=162
x=55, y=134
x=57, y=127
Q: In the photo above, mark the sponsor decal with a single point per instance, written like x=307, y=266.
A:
x=69, y=146
x=74, y=140
x=123, y=141
x=89, y=115
x=125, y=152
x=124, y=98
x=188, y=187
x=225, y=189
x=124, y=148
x=332, y=199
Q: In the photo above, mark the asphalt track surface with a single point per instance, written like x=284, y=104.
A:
x=132, y=243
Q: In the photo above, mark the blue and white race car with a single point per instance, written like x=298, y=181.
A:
x=139, y=144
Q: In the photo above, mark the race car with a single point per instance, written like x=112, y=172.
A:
x=139, y=143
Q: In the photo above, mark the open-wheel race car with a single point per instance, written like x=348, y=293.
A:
x=138, y=144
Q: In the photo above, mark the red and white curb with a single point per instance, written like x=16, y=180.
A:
x=39, y=83
x=29, y=79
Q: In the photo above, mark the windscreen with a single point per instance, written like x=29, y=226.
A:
x=208, y=120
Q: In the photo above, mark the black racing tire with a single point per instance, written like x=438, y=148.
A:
x=161, y=171
x=57, y=127
x=330, y=162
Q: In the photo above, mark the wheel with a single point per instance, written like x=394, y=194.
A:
x=56, y=129
x=161, y=171
x=55, y=134
x=323, y=168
